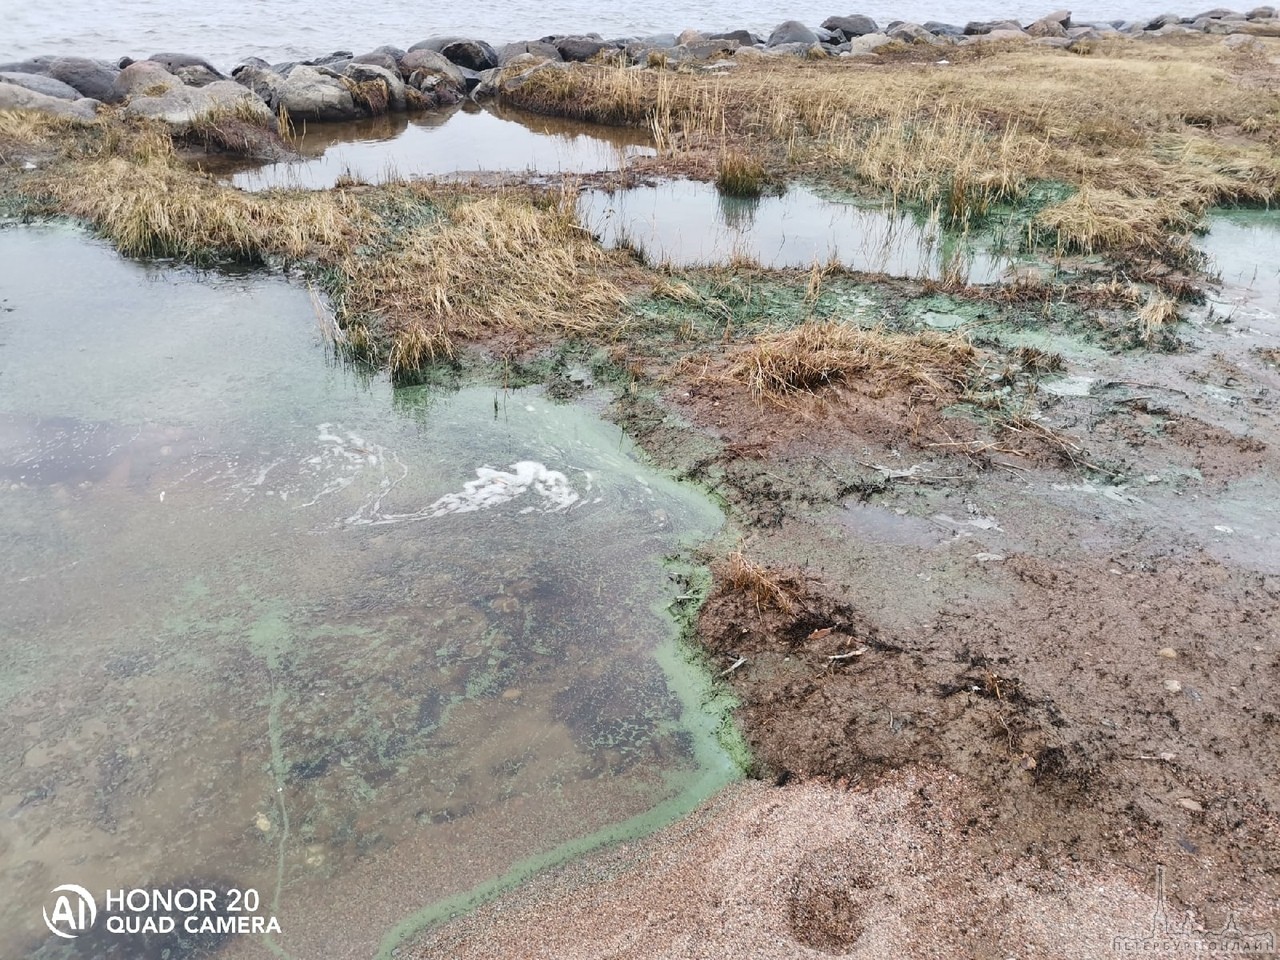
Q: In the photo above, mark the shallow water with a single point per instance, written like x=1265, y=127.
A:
x=462, y=140
x=686, y=223
x=289, y=29
x=1243, y=247
x=268, y=623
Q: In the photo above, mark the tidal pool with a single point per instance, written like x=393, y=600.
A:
x=1243, y=247
x=464, y=140
x=685, y=223
x=270, y=624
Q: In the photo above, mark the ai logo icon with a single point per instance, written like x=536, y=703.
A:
x=74, y=911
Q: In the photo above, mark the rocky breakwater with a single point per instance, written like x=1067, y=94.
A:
x=183, y=90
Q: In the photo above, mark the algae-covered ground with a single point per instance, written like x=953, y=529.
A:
x=1001, y=572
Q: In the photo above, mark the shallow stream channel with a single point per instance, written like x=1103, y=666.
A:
x=269, y=624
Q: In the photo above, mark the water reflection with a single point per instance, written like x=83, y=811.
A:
x=215, y=666
x=466, y=139
x=685, y=223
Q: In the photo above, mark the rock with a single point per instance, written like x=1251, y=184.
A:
x=519, y=80
x=537, y=48
x=378, y=58
x=868, y=43
x=311, y=93
x=193, y=71
x=745, y=38
x=392, y=87
x=470, y=54
x=38, y=65
x=703, y=49
x=792, y=31
x=1168, y=653
x=792, y=49
x=260, y=77
x=978, y=28
x=181, y=106
x=1050, y=26
x=911, y=33
x=1061, y=17
x=144, y=78
x=428, y=63
x=1217, y=13
x=1243, y=43
x=580, y=49
x=89, y=77
x=1173, y=686
x=14, y=97
x=854, y=25
x=338, y=56
x=690, y=36
x=1172, y=30
x=943, y=29
x=39, y=83
x=1214, y=26
x=996, y=36
x=1186, y=803
x=1259, y=28
x=1164, y=20
x=1261, y=13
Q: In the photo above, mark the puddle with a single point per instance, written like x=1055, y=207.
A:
x=466, y=139
x=270, y=624
x=685, y=223
x=1244, y=249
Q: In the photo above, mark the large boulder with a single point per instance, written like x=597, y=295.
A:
x=39, y=83
x=745, y=38
x=193, y=71
x=380, y=58
x=143, y=78
x=854, y=25
x=1217, y=13
x=939, y=29
x=792, y=31
x=868, y=43
x=315, y=93
x=580, y=49
x=463, y=51
x=537, y=48
x=1164, y=20
x=38, y=65
x=1048, y=27
x=1261, y=13
x=977, y=28
x=14, y=97
x=181, y=106
x=90, y=78
x=911, y=33
x=378, y=90
x=434, y=77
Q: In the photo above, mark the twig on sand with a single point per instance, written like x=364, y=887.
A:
x=850, y=655
x=741, y=661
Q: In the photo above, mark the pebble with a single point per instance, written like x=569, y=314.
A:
x=1173, y=686
x=514, y=693
x=1169, y=653
x=263, y=823
x=1188, y=804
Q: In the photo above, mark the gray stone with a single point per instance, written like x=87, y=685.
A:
x=193, y=71
x=14, y=97
x=517, y=81
x=868, y=43
x=90, y=78
x=1261, y=13
x=338, y=56
x=470, y=54
x=911, y=33
x=312, y=93
x=1164, y=20
x=144, y=78
x=1217, y=13
x=544, y=51
x=580, y=49
x=792, y=31
x=977, y=28
x=690, y=36
x=745, y=38
x=41, y=84
x=854, y=25
x=378, y=58
x=1243, y=43
x=428, y=63
x=180, y=106
x=38, y=65
x=1047, y=27
x=1006, y=36
x=943, y=29
x=390, y=80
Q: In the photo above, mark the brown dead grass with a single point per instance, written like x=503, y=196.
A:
x=804, y=359
x=493, y=263
x=766, y=590
x=1150, y=133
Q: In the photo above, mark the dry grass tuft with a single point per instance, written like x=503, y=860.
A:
x=486, y=264
x=816, y=354
x=30, y=128
x=153, y=207
x=1156, y=318
x=767, y=591
x=373, y=96
x=740, y=174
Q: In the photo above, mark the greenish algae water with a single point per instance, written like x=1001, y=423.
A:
x=269, y=623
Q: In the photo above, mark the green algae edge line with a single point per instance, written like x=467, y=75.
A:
x=719, y=750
